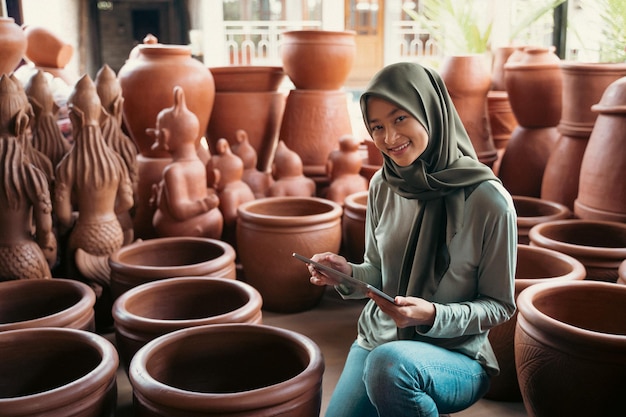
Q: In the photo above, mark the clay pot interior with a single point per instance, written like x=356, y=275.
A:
x=597, y=235
x=249, y=78
x=537, y=264
x=533, y=210
x=297, y=207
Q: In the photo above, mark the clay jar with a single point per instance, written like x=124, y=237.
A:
x=156, y=259
x=46, y=49
x=353, y=226
x=532, y=211
x=535, y=265
x=46, y=303
x=13, y=45
x=269, y=230
x=318, y=59
x=141, y=315
x=56, y=372
x=601, y=191
x=570, y=341
x=599, y=245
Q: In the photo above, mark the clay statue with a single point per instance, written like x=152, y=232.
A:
x=185, y=206
x=343, y=168
x=288, y=173
x=258, y=181
x=28, y=246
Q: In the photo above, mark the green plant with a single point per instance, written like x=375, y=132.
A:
x=612, y=19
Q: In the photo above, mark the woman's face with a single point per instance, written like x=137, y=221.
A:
x=395, y=132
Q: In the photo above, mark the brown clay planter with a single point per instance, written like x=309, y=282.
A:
x=228, y=370
x=599, y=245
x=141, y=314
x=46, y=303
x=154, y=259
x=570, y=341
x=248, y=78
x=353, y=226
x=56, y=372
x=532, y=211
x=535, y=265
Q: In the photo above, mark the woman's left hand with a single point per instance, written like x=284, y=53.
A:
x=407, y=311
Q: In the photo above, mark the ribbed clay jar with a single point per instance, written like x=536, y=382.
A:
x=56, y=372
x=532, y=211
x=353, y=226
x=141, y=314
x=159, y=258
x=52, y=302
x=269, y=230
x=228, y=370
x=535, y=265
x=570, y=341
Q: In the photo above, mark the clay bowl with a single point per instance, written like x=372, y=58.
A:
x=56, y=372
x=46, y=303
x=228, y=369
x=532, y=211
x=159, y=258
x=155, y=308
x=568, y=333
x=247, y=78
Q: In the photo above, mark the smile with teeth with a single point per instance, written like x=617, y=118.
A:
x=400, y=148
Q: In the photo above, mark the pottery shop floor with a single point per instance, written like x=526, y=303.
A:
x=332, y=325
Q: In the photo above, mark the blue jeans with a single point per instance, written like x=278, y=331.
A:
x=406, y=378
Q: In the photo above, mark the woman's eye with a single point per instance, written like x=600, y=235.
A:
x=401, y=118
x=376, y=127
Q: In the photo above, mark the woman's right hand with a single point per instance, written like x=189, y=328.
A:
x=333, y=261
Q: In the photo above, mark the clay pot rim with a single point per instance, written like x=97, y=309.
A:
x=97, y=379
x=124, y=318
x=306, y=36
x=260, y=397
x=561, y=211
x=578, y=272
x=334, y=211
x=146, y=49
x=64, y=317
x=352, y=200
x=603, y=67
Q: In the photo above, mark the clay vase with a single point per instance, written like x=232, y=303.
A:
x=583, y=87
x=46, y=49
x=601, y=191
x=500, y=57
x=569, y=334
x=502, y=122
x=46, y=303
x=621, y=272
x=318, y=59
x=468, y=81
x=228, y=370
x=353, y=226
x=599, y=245
x=141, y=315
x=169, y=257
x=13, y=45
x=535, y=265
x=56, y=372
x=532, y=211
x=269, y=230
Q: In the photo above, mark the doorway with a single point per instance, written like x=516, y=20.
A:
x=365, y=17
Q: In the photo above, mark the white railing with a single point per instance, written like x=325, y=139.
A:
x=411, y=42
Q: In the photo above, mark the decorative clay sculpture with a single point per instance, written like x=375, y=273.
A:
x=288, y=174
x=257, y=180
x=344, y=167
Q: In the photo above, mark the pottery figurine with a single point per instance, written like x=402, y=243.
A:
x=289, y=178
x=344, y=167
x=258, y=181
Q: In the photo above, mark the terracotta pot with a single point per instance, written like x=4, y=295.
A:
x=156, y=259
x=599, y=245
x=502, y=121
x=532, y=211
x=45, y=48
x=247, y=78
x=353, y=226
x=228, y=370
x=147, y=82
x=46, y=303
x=56, y=372
x=141, y=315
x=318, y=59
x=601, y=191
x=13, y=45
x=535, y=265
x=468, y=81
x=621, y=272
x=568, y=333
x=269, y=230
x=583, y=87
x=500, y=57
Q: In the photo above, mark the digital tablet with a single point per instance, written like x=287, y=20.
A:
x=343, y=278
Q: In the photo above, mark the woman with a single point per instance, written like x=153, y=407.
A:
x=440, y=236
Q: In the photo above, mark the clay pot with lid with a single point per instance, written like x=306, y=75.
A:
x=13, y=45
x=532, y=211
x=57, y=372
x=570, y=341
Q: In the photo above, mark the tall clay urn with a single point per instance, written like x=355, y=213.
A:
x=57, y=372
x=13, y=45
x=570, y=341
x=269, y=230
x=228, y=370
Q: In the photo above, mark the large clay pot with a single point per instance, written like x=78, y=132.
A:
x=46, y=303
x=148, y=80
x=570, y=341
x=353, y=226
x=141, y=315
x=532, y=211
x=228, y=370
x=45, y=48
x=247, y=78
x=599, y=245
x=601, y=191
x=535, y=265
x=269, y=230
x=169, y=257
x=13, y=45
x=500, y=57
x=318, y=59
x=56, y=372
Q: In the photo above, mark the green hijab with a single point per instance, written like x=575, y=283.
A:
x=441, y=177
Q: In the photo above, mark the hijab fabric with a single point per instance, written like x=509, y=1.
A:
x=441, y=177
